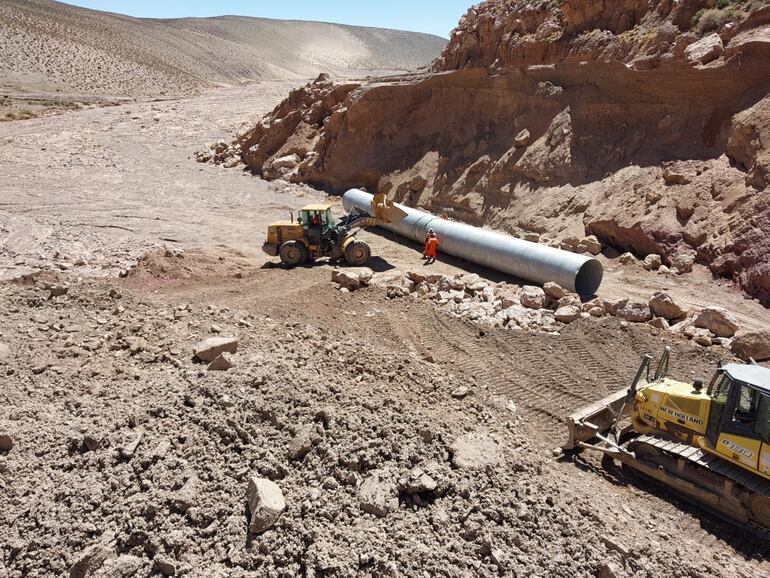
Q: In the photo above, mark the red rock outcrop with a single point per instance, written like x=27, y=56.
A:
x=608, y=118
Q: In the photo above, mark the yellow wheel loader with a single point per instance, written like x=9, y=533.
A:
x=316, y=234
x=710, y=443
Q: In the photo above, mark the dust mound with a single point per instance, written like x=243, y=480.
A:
x=48, y=45
x=644, y=123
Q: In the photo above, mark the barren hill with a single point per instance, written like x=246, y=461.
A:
x=645, y=123
x=48, y=45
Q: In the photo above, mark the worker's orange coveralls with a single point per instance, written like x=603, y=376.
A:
x=430, y=247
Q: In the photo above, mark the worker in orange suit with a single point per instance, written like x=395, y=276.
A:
x=431, y=244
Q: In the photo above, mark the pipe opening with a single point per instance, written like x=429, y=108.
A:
x=589, y=278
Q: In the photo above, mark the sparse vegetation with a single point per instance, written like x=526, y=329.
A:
x=25, y=108
x=21, y=114
x=711, y=19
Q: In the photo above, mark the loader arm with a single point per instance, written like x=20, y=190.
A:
x=384, y=212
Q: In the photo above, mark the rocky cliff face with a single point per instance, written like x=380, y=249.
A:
x=644, y=122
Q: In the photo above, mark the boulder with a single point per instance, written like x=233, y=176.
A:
x=555, y=291
x=568, y=300
x=187, y=496
x=705, y=50
x=347, y=279
x=568, y=314
x=365, y=275
x=683, y=262
x=717, y=320
x=597, y=312
x=303, y=441
x=266, y=504
x=702, y=337
x=378, y=494
x=627, y=259
x=209, y=349
x=652, y=262
x=662, y=305
x=90, y=561
x=752, y=345
x=592, y=244
x=422, y=479
x=634, y=311
x=475, y=450
x=287, y=162
x=532, y=297
x=5, y=354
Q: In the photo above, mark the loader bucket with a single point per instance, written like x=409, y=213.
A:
x=387, y=211
x=597, y=418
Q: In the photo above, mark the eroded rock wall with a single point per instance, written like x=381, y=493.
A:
x=611, y=118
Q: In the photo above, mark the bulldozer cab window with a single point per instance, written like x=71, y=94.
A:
x=752, y=413
x=762, y=426
x=328, y=218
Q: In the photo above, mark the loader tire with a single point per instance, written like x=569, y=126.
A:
x=293, y=253
x=357, y=253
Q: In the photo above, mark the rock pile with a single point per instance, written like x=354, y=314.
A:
x=221, y=153
x=552, y=307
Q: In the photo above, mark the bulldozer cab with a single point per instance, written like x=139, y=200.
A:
x=739, y=421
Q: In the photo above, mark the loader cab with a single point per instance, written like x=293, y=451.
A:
x=316, y=216
x=739, y=418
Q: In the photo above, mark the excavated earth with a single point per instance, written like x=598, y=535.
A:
x=632, y=120
x=122, y=456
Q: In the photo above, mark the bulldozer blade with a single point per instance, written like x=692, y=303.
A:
x=597, y=418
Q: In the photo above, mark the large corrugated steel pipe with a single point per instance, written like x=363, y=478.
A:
x=530, y=261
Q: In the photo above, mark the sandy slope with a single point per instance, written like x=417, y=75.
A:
x=48, y=45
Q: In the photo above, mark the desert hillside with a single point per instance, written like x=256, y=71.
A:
x=48, y=45
x=645, y=123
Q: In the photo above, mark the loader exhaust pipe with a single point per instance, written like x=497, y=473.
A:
x=529, y=261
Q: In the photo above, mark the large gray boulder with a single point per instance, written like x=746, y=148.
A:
x=662, y=305
x=209, y=349
x=266, y=504
x=378, y=495
x=532, y=297
x=705, y=50
x=634, y=311
x=752, y=345
x=717, y=320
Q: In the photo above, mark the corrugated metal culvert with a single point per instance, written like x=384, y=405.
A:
x=530, y=261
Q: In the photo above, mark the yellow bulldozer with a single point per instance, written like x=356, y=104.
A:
x=316, y=234
x=711, y=443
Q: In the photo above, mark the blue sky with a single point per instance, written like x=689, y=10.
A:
x=433, y=16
